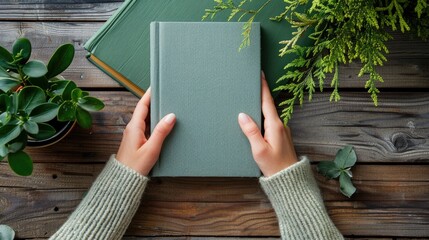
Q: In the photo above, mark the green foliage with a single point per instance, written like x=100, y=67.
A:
x=343, y=31
x=341, y=167
x=32, y=96
x=6, y=233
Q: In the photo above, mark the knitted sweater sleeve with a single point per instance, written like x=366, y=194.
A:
x=296, y=199
x=108, y=207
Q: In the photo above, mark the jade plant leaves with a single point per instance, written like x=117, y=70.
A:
x=20, y=163
x=83, y=118
x=35, y=69
x=44, y=112
x=22, y=49
x=341, y=167
x=5, y=58
x=31, y=127
x=7, y=83
x=8, y=133
x=66, y=112
x=91, y=104
x=60, y=60
x=45, y=131
x=30, y=97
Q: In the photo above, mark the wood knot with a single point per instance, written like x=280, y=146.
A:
x=405, y=142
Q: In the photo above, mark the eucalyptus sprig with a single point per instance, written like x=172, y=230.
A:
x=341, y=168
x=342, y=32
x=31, y=95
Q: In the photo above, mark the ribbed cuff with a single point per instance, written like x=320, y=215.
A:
x=107, y=209
x=299, y=207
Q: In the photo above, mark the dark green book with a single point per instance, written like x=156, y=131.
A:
x=198, y=73
x=121, y=47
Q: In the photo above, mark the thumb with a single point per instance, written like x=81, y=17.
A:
x=252, y=132
x=160, y=132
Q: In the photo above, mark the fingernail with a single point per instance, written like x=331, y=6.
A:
x=148, y=90
x=243, y=118
x=170, y=118
x=263, y=74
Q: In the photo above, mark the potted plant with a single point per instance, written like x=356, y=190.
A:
x=342, y=32
x=37, y=105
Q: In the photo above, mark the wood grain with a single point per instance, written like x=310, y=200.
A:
x=394, y=132
x=407, y=66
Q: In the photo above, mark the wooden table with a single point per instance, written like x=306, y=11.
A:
x=391, y=140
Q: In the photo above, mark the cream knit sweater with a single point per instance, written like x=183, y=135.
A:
x=107, y=209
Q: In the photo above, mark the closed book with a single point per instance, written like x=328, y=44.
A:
x=121, y=46
x=198, y=73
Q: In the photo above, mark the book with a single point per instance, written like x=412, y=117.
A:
x=121, y=46
x=198, y=73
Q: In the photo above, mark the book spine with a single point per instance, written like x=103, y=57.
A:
x=91, y=44
x=154, y=74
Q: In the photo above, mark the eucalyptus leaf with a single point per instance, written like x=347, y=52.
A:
x=31, y=127
x=35, y=69
x=345, y=157
x=44, y=112
x=60, y=60
x=66, y=112
x=328, y=169
x=45, y=131
x=20, y=163
x=6, y=233
x=8, y=133
x=30, y=97
x=8, y=83
x=91, y=104
x=346, y=185
x=83, y=118
x=22, y=48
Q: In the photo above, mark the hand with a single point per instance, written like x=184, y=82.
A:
x=136, y=151
x=274, y=151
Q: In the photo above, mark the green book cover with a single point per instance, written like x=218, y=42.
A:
x=121, y=46
x=198, y=73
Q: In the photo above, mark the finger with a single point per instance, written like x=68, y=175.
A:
x=160, y=132
x=142, y=110
x=253, y=134
x=268, y=107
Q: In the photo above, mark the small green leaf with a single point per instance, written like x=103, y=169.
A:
x=76, y=94
x=8, y=133
x=83, y=118
x=8, y=83
x=346, y=185
x=91, y=104
x=31, y=127
x=345, y=157
x=22, y=49
x=5, y=58
x=56, y=99
x=3, y=151
x=5, y=118
x=45, y=131
x=3, y=72
x=41, y=82
x=20, y=163
x=18, y=143
x=66, y=112
x=67, y=92
x=60, y=60
x=5, y=102
x=328, y=169
x=35, y=69
x=30, y=97
x=44, y=112
x=6, y=233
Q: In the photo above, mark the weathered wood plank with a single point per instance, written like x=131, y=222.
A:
x=378, y=185
x=42, y=10
x=41, y=212
x=408, y=65
x=395, y=131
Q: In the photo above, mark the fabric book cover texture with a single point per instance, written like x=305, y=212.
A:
x=121, y=46
x=198, y=73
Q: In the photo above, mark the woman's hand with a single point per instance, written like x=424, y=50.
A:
x=274, y=151
x=136, y=151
